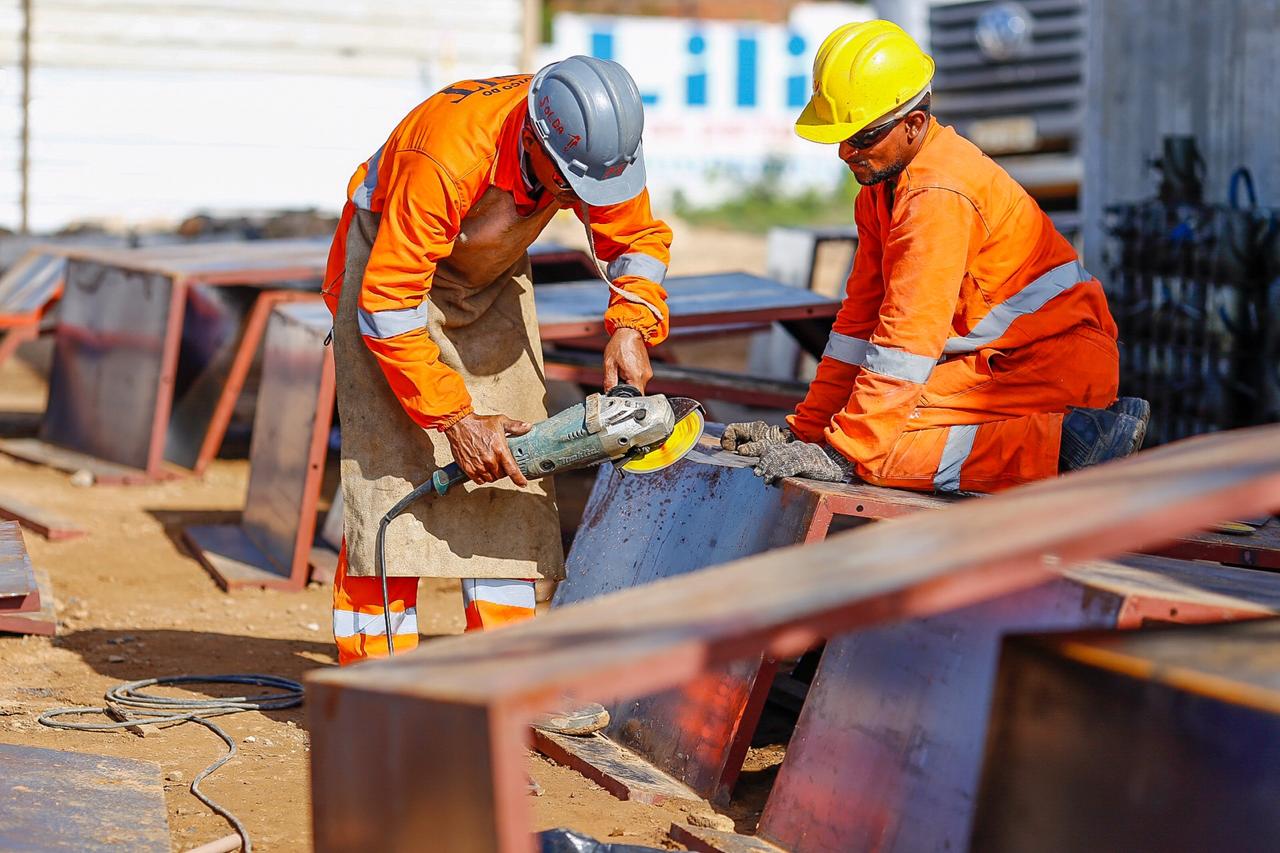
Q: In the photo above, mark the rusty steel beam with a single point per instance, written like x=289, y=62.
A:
x=483, y=689
x=1162, y=740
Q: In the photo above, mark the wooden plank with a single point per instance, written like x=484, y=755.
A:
x=42, y=622
x=702, y=840
x=617, y=770
x=652, y=638
x=55, y=800
x=48, y=524
x=1159, y=740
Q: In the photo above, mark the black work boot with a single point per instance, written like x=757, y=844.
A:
x=1093, y=436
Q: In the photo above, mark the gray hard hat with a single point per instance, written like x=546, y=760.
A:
x=588, y=115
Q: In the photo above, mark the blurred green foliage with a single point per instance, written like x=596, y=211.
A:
x=768, y=202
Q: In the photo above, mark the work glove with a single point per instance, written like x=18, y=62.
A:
x=750, y=439
x=801, y=459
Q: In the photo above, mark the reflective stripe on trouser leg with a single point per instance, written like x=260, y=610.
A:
x=359, y=628
x=491, y=602
x=954, y=453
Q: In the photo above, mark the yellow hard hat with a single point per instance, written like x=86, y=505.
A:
x=862, y=72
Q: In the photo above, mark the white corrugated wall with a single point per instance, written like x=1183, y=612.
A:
x=147, y=110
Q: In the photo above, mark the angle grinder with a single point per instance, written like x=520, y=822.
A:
x=639, y=434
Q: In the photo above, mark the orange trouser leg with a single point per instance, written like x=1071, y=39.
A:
x=491, y=602
x=990, y=421
x=359, y=627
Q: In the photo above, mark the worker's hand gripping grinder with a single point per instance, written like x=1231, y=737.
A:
x=639, y=434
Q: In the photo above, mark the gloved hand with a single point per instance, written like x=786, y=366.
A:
x=750, y=439
x=801, y=459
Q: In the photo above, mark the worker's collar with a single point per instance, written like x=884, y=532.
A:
x=932, y=129
x=513, y=172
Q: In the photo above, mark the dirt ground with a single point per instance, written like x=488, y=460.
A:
x=132, y=603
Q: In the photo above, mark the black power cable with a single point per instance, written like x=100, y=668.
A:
x=134, y=707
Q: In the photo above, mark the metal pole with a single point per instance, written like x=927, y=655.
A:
x=24, y=181
x=911, y=15
x=531, y=35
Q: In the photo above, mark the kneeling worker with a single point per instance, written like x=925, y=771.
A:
x=435, y=336
x=973, y=352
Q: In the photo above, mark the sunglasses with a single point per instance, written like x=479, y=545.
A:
x=872, y=135
x=558, y=178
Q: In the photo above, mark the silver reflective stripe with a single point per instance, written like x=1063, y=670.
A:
x=348, y=623
x=844, y=348
x=954, y=453
x=899, y=364
x=515, y=593
x=363, y=196
x=638, y=264
x=392, y=322
x=1026, y=301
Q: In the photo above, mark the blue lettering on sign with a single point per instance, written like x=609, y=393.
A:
x=797, y=77
x=602, y=44
x=747, y=71
x=695, y=92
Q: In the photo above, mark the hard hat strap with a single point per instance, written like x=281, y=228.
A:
x=600, y=271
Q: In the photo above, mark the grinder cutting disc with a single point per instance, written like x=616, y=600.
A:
x=689, y=426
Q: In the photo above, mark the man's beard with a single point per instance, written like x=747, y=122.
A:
x=879, y=176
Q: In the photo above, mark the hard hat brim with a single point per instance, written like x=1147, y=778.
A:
x=604, y=192
x=813, y=128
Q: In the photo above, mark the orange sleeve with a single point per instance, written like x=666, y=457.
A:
x=637, y=249
x=933, y=237
x=420, y=219
x=829, y=391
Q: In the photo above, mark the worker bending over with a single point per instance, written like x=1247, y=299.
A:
x=436, y=340
x=973, y=352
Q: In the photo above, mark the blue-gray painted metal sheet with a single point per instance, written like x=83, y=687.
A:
x=705, y=510
x=104, y=384
x=30, y=284
x=690, y=298
x=17, y=578
x=52, y=800
x=293, y=367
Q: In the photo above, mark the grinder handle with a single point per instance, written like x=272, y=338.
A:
x=449, y=475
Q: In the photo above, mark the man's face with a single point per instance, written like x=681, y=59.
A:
x=545, y=171
x=881, y=152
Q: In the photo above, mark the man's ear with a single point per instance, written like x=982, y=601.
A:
x=527, y=139
x=916, y=121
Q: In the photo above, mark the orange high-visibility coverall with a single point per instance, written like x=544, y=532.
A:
x=967, y=330
x=423, y=182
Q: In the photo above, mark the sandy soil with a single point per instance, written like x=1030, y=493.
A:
x=132, y=604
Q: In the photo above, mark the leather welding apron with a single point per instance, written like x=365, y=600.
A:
x=481, y=315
